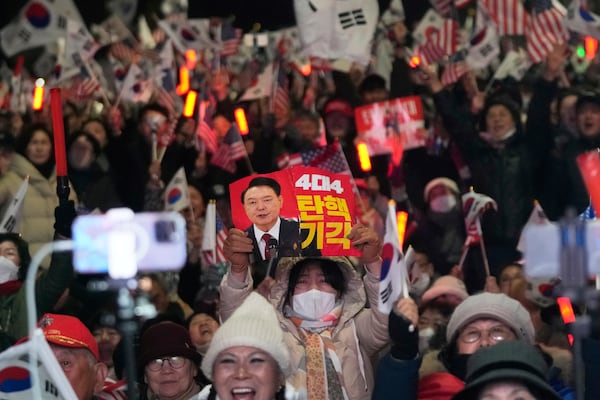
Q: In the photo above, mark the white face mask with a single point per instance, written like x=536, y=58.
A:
x=443, y=203
x=424, y=336
x=313, y=304
x=8, y=270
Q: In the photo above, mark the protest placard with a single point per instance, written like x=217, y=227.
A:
x=309, y=211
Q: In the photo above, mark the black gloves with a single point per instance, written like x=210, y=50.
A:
x=64, y=215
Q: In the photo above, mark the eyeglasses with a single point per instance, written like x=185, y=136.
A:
x=497, y=334
x=175, y=362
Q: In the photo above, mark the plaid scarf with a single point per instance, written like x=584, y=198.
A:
x=323, y=367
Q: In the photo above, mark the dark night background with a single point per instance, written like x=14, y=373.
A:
x=271, y=14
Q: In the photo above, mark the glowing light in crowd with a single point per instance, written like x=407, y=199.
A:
x=363, y=157
x=242, y=122
x=190, y=59
x=414, y=62
x=401, y=220
x=306, y=69
x=190, y=104
x=591, y=47
x=38, y=94
x=566, y=309
x=184, y=81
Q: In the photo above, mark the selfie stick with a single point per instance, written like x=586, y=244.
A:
x=573, y=272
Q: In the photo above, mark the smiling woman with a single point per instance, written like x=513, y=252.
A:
x=248, y=358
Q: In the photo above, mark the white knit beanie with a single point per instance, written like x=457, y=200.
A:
x=253, y=324
x=496, y=306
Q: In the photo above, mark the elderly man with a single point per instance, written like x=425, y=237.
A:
x=76, y=351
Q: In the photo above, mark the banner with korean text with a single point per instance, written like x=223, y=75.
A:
x=309, y=211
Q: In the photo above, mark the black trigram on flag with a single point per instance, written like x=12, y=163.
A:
x=10, y=223
x=24, y=34
x=62, y=22
x=350, y=18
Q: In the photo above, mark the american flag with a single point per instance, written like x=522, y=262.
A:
x=588, y=214
x=443, y=43
x=453, y=72
x=330, y=158
x=168, y=100
x=215, y=234
x=83, y=86
x=281, y=95
x=444, y=7
x=230, y=39
x=509, y=15
x=229, y=151
x=207, y=134
x=545, y=29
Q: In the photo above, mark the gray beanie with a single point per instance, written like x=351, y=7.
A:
x=496, y=306
x=253, y=324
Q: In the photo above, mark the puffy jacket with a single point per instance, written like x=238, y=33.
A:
x=36, y=223
x=359, y=335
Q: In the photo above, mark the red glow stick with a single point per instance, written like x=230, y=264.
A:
x=59, y=132
x=589, y=166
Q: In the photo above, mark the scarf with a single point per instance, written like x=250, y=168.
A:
x=323, y=367
x=10, y=287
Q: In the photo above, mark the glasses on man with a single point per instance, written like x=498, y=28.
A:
x=175, y=362
x=496, y=334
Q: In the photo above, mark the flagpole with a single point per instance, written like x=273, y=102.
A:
x=483, y=251
x=103, y=93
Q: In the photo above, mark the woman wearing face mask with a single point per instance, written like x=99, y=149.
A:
x=14, y=262
x=320, y=303
x=440, y=233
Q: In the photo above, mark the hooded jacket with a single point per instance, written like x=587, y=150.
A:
x=360, y=333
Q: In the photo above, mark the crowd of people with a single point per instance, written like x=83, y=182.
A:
x=287, y=324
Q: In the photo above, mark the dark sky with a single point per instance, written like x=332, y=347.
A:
x=271, y=14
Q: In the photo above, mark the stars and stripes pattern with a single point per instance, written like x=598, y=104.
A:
x=453, y=72
x=330, y=158
x=281, y=95
x=230, y=40
x=588, y=214
x=215, y=234
x=546, y=29
x=229, y=151
x=509, y=15
x=444, y=7
x=443, y=42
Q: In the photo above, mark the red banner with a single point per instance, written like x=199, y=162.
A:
x=319, y=204
x=391, y=126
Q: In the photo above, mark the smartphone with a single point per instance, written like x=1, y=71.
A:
x=121, y=243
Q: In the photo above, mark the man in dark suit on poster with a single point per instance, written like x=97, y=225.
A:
x=272, y=235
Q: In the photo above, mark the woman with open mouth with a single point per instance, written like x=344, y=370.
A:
x=248, y=358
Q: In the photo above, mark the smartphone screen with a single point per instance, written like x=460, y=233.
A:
x=147, y=242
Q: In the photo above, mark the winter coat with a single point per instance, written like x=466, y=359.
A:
x=505, y=172
x=358, y=336
x=433, y=366
x=36, y=222
x=48, y=289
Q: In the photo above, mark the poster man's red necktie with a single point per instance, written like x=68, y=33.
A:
x=265, y=238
